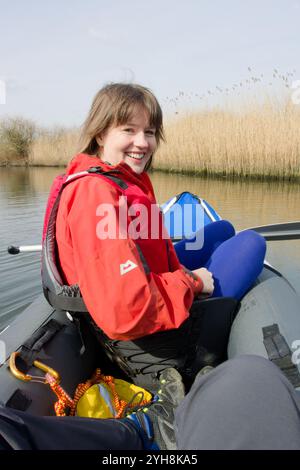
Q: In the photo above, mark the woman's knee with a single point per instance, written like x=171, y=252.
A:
x=216, y=233
x=254, y=240
x=223, y=228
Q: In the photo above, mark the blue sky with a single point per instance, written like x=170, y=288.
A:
x=54, y=56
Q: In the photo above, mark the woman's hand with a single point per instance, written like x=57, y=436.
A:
x=207, y=279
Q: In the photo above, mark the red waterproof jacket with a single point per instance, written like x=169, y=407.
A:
x=125, y=301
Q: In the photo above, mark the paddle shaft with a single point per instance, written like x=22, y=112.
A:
x=15, y=250
x=282, y=231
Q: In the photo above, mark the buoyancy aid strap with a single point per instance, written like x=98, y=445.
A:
x=49, y=248
x=143, y=259
x=110, y=174
x=279, y=352
x=168, y=253
x=58, y=295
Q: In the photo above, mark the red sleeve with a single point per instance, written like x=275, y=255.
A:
x=124, y=305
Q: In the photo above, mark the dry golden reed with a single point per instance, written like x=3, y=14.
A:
x=261, y=141
x=54, y=148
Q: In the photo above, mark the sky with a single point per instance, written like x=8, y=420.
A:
x=55, y=56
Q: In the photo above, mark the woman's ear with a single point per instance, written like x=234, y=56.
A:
x=99, y=140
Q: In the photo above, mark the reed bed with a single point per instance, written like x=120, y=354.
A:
x=261, y=141
x=257, y=142
x=53, y=148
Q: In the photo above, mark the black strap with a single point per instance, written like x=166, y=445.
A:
x=168, y=254
x=109, y=174
x=30, y=349
x=143, y=259
x=279, y=352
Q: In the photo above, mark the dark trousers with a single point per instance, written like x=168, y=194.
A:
x=245, y=403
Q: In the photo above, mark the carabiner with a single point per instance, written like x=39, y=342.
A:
x=26, y=377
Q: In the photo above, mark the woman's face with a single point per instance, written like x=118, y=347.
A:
x=133, y=142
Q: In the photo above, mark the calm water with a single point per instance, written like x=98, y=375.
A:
x=23, y=194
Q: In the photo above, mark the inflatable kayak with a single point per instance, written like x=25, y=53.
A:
x=267, y=323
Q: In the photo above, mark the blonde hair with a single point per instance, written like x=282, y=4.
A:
x=114, y=105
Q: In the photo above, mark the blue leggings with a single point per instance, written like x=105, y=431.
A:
x=234, y=260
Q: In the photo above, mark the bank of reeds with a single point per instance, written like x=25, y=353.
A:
x=53, y=148
x=262, y=141
x=259, y=142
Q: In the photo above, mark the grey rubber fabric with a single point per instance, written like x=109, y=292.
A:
x=245, y=403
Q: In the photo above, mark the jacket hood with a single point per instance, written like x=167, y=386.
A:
x=82, y=162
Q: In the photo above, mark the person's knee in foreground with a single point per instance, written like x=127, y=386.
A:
x=245, y=403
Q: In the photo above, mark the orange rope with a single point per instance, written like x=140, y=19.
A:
x=65, y=401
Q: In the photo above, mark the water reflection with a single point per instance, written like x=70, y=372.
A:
x=245, y=203
x=26, y=181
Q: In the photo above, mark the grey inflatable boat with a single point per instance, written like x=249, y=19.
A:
x=267, y=324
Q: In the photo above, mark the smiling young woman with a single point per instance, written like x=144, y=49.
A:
x=120, y=135
x=136, y=289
